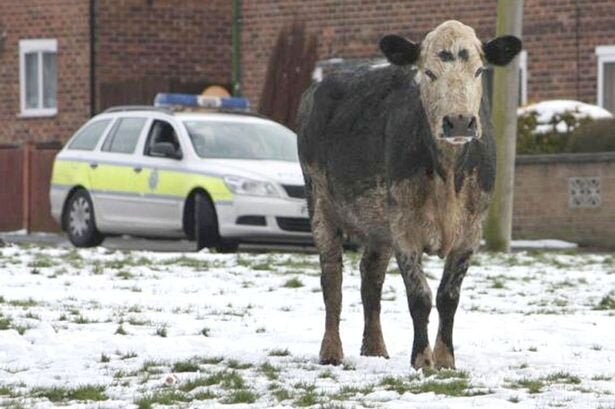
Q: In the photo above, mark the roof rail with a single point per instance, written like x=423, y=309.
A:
x=128, y=108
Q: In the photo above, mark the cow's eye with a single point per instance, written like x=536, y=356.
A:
x=479, y=72
x=431, y=75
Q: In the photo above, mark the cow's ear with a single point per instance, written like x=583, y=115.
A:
x=399, y=51
x=502, y=50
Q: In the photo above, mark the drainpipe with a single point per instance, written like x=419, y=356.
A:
x=236, y=39
x=92, y=57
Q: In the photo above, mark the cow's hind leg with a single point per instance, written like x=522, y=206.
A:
x=328, y=240
x=447, y=301
x=373, y=269
x=419, y=303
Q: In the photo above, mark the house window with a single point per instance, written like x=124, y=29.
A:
x=38, y=77
x=606, y=77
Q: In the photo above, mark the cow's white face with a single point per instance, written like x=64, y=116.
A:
x=450, y=62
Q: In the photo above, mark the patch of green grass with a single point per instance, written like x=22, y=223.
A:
x=191, y=384
x=456, y=387
x=189, y=365
x=563, y=377
x=205, y=332
x=279, y=392
x=606, y=303
x=191, y=262
x=234, y=364
x=23, y=303
x=271, y=372
x=347, y=391
x=6, y=391
x=81, y=393
x=532, y=385
x=80, y=319
x=137, y=322
x=601, y=378
x=445, y=374
x=5, y=323
x=307, y=398
x=128, y=355
x=215, y=360
x=120, y=330
x=125, y=275
x=293, y=283
x=41, y=262
x=161, y=398
x=104, y=358
x=205, y=395
x=240, y=396
x=279, y=352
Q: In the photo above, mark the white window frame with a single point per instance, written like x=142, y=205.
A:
x=39, y=46
x=605, y=54
x=523, y=68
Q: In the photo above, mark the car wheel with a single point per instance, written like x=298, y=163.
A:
x=206, y=225
x=79, y=221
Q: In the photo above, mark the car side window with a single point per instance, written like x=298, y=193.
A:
x=87, y=138
x=124, y=136
x=161, y=131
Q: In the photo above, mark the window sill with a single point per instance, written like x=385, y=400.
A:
x=43, y=113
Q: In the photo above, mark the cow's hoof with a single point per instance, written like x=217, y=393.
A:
x=424, y=359
x=374, y=348
x=331, y=351
x=442, y=356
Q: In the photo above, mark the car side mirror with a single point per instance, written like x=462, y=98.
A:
x=166, y=150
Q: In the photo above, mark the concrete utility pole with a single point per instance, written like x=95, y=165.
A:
x=504, y=115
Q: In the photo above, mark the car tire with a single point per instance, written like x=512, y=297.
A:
x=80, y=222
x=205, y=223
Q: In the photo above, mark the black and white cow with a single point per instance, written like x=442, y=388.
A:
x=403, y=158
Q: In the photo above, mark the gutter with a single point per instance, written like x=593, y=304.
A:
x=236, y=44
x=93, y=58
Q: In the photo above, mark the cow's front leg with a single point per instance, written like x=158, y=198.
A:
x=373, y=269
x=447, y=301
x=419, y=303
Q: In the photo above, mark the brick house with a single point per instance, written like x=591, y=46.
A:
x=569, y=44
x=63, y=60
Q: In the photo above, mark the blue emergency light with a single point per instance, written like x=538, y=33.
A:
x=190, y=100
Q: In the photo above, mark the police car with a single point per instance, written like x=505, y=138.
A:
x=219, y=177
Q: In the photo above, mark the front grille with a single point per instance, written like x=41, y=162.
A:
x=296, y=191
x=252, y=220
x=297, y=224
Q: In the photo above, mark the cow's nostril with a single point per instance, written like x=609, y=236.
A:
x=447, y=125
x=472, y=124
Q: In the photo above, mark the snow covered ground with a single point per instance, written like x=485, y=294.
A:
x=110, y=329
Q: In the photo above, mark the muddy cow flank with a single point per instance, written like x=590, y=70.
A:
x=402, y=157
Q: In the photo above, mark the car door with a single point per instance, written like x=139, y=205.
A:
x=163, y=206
x=114, y=177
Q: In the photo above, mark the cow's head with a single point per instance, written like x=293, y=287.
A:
x=450, y=62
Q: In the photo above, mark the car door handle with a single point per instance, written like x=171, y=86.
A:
x=137, y=169
x=93, y=165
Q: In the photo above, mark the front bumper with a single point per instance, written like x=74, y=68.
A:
x=269, y=219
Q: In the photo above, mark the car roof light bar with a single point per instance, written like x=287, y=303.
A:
x=201, y=101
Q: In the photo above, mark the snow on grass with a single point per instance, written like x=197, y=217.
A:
x=113, y=329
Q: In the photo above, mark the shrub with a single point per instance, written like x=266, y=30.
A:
x=593, y=136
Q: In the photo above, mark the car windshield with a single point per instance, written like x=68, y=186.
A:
x=242, y=140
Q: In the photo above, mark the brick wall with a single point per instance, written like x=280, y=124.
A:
x=168, y=41
x=541, y=200
x=560, y=37
x=66, y=21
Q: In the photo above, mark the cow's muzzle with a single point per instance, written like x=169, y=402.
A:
x=459, y=129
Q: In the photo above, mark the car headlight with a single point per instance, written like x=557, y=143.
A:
x=244, y=186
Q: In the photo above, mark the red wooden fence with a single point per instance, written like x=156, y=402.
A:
x=25, y=171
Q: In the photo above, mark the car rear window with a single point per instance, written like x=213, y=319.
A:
x=124, y=135
x=87, y=138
